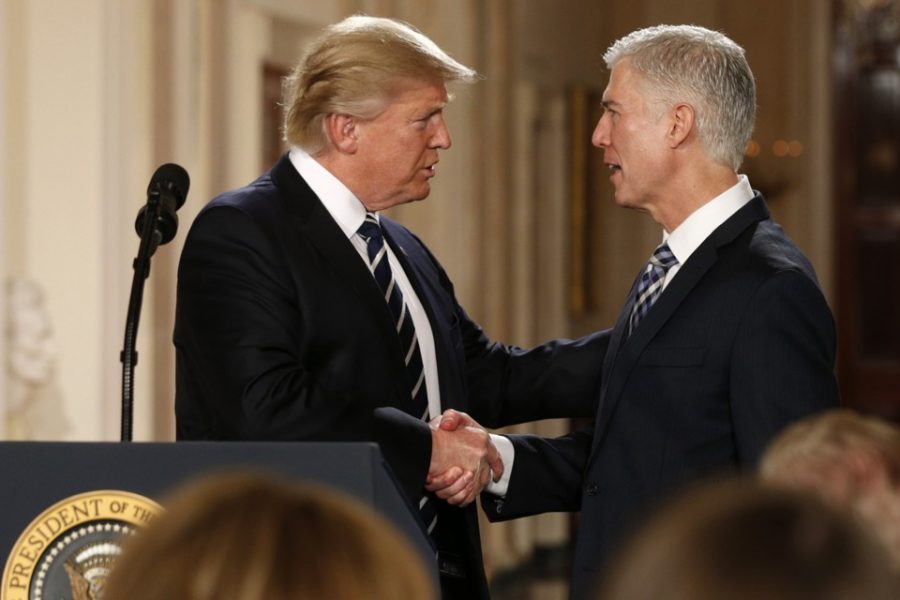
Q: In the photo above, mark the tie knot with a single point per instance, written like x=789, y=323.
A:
x=370, y=228
x=663, y=257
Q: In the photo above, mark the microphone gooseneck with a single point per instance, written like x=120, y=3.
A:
x=156, y=225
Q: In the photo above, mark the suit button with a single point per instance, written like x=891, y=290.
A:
x=592, y=489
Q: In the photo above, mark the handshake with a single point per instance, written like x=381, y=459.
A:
x=463, y=458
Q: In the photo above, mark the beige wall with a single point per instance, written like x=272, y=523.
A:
x=70, y=146
x=6, y=45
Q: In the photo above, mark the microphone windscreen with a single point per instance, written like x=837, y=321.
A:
x=174, y=178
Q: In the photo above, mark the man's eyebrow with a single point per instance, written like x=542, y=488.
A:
x=606, y=104
x=422, y=115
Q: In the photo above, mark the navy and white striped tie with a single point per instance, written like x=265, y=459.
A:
x=417, y=405
x=651, y=284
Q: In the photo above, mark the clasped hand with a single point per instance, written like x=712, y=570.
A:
x=463, y=458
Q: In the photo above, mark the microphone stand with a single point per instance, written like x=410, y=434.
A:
x=150, y=238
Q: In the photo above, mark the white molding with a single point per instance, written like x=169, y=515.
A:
x=4, y=271
x=126, y=155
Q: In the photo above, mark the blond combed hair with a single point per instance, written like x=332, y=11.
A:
x=245, y=536
x=354, y=68
x=851, y=460
x=705, y=68
x=829, y=437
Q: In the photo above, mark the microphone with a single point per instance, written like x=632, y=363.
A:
x=167, y=190
x=156, y=224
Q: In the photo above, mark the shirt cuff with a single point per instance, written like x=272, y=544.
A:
x=507, y=454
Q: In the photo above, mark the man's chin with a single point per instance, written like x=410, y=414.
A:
x=421, y=194
x=400, y=200
x=621, y=200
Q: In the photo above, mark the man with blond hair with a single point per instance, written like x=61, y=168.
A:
x=304, y=314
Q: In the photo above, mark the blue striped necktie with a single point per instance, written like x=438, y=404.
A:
x=651, y=284
x=417, y=405
x=371, y=232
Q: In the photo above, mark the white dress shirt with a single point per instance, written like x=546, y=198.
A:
x=694, y=230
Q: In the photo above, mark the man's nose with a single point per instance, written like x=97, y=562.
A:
x=441, y=138
x=600, y=137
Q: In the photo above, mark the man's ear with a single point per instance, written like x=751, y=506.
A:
x=681, y=125
x=343, y=131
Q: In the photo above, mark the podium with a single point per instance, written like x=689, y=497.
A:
x=80, y=479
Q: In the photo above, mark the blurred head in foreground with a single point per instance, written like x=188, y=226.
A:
x=743, y=541
x=851, y=460
x=249, y=537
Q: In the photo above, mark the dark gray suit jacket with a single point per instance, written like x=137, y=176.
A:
x=282, y=333
x=740, y=343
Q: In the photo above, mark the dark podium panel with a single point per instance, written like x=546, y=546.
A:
x=36, y=475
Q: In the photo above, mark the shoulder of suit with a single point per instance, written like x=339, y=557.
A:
x=775, y=251
x=398, y=231
x=259, y=196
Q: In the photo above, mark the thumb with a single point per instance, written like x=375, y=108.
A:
x=450, y=420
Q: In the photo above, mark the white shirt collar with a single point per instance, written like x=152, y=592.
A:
x=339, y=201
x=703, y=221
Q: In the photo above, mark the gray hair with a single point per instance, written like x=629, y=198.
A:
x=354, y=68
x=686, y=63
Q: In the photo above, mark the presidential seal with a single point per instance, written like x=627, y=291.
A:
x=67, y=551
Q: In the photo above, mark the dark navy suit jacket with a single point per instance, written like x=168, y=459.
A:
x=740, y=343
x=282, y=333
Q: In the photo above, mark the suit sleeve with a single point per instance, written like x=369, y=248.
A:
x=546, y=476
x=508, y=385
x=558, y=379
x=783, y=361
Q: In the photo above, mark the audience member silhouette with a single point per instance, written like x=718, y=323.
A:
x=849, y=459
x=743, y=540
x=245, y=536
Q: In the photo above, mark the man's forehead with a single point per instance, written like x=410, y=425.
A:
x=611, y=97
x=419, y=92
x=407, y=84
x=621, y=78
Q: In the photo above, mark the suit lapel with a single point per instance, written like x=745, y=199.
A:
x=618, y=335
x=313, y=222
x=625, y=352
